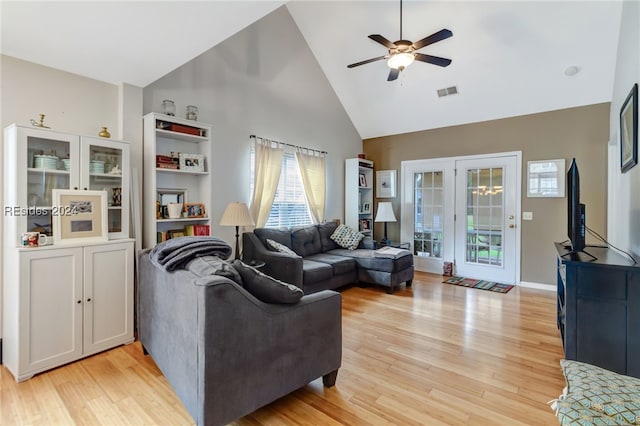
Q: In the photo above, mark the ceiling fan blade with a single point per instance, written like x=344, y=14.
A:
x=383, y=41
x=393, y=74
x=433, y=38
x=357, y=64
x=435, y=60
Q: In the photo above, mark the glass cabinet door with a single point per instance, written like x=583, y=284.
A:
x=51, y=163
x=102, y=170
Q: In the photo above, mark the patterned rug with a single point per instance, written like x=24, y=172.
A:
x=480, y=284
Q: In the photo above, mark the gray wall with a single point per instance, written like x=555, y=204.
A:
x=263, y=81
x=577, y=132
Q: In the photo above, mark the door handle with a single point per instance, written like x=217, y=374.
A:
x=512, y=226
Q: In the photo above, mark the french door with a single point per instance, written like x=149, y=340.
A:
x=465, y=210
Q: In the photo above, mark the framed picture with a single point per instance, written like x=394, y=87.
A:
x=79, y=216
x=545, y=178
x=176, y=233
x=363, y=180
x=366, y=207
x=191, y=162
x=386, y=184
x=166, y=196
x=194, y=210
x=629, y=131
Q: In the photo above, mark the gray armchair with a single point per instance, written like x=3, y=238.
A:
x=225, y=352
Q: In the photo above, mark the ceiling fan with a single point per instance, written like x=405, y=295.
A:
x=402, y=53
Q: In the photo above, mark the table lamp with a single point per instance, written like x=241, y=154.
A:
x=237, y=214
x=385, y=214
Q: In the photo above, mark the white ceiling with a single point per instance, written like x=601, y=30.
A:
x=508, y=57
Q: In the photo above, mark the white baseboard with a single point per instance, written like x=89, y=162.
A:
x=539, y=286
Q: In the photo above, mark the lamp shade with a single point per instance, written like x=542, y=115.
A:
x=236, y=214
x=401, y=60
x=385, y=212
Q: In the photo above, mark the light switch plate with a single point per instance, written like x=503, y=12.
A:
x=527, y=215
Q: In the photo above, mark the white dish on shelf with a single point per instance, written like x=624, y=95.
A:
x=96, y=166
x=47, y=162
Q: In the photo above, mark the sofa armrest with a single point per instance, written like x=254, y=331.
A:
x=281, y=266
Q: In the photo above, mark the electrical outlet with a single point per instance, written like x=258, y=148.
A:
x=527, y=215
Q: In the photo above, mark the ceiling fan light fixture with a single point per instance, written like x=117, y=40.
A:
x=401, y=60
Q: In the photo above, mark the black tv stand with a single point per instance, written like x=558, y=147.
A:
x=598, y=309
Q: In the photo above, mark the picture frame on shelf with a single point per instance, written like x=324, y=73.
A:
x=79, y=216
x=363, y=180
x=164, y=196
x=194, y=210
x=366, y=207
x=191, y=162
x=629, y=131
x=386, y=184
x=175, y=233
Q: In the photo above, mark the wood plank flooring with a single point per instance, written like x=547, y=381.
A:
x=433, y=354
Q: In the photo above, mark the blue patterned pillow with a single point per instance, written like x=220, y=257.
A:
x=347, y=237
x=595, y=396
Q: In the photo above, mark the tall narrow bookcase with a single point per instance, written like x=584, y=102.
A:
x=186, y=180
x=358, y=194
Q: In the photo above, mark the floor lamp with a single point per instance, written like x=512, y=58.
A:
x=385, y=214
x=237, y=214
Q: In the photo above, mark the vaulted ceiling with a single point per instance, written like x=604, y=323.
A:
x=508, y=58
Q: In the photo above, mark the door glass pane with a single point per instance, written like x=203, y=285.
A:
x=428, y=214
x=105, y=174
x=485, y=220
x=47, y=166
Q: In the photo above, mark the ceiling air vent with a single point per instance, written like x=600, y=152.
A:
x=448, y=91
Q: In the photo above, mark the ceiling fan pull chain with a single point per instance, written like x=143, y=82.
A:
x=400, y=19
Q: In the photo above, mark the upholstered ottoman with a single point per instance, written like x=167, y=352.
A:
x=387, y=271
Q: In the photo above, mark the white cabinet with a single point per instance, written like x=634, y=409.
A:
x=62, y=304
x=358, y=193
x=36, y=161
x=177, y=154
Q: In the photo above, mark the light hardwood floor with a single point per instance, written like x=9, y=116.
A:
x=433, y=354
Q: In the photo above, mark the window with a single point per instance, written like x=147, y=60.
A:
x=289, y=205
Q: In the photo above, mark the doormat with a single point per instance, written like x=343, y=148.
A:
x=479, y=284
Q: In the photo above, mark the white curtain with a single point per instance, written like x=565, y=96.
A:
x=313, y=173
x=268, y=165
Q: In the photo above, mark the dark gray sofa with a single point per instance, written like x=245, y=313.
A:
x=321, y=264
x=226, y=353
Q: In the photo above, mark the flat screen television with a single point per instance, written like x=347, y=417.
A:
x=576, y=226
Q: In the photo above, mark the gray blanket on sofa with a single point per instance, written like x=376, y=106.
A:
x=177, y=252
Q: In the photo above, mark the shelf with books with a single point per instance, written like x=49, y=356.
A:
x=176, y=155
x=189, y=230
x=358, y=212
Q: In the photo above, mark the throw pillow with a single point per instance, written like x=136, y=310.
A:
x=276, y=246
x=213, y=265
x=347, y=237
x=266, y=288
x=230, y=272
x=601, y=396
